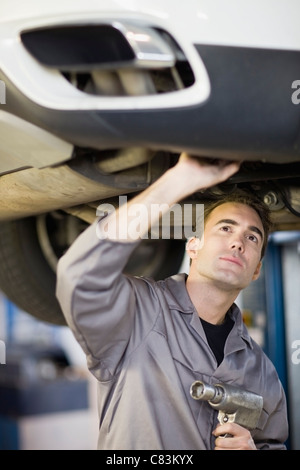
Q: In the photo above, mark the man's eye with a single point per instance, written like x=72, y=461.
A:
x=253, y=238
x=225, y=228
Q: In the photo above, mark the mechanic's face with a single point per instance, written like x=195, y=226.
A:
x=231, y=252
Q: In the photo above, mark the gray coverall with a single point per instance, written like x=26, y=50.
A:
x=145, y=345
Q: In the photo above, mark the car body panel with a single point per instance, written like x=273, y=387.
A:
x=24, y=145
x=269, y=24
x=248, y=106
x=236, y=65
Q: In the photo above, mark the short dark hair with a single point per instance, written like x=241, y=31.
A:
x=249, y=199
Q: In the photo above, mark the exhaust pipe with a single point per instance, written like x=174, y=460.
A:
x=36, y=191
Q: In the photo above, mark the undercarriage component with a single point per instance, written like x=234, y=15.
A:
x=36, y=191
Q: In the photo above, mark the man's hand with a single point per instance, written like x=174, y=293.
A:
x=241, y=438
x=201, y=173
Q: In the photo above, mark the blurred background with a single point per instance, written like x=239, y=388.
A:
x=47, y=395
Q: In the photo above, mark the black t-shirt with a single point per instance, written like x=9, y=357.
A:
x=216, y=336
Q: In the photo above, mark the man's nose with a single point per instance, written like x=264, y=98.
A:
x=238, y=244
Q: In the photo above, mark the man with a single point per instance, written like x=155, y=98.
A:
x=146, y=342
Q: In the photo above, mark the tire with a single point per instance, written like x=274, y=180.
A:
x=31, y=247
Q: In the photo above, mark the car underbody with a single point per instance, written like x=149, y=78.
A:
x=82, y=125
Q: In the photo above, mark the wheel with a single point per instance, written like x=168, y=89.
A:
x=30, y=249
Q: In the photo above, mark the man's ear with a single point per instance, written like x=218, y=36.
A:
x=192, y=247
x=257, y=271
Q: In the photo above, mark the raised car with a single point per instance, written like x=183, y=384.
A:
x=98, y=99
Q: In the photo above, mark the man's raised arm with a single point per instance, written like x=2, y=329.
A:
x=189, y=175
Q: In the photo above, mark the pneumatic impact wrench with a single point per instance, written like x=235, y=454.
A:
x=235, y=405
